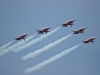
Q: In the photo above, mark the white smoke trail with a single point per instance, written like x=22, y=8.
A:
x=6, y=45
x=50, y=60
x=36, y=40
x=29, y=38
x=5, y=51
x=47, y=47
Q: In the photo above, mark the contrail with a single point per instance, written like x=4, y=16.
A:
x=29, y=38
x=47, y=47
x=6, y=45
x=5, y=51
x=50, y=60
x=35, y=40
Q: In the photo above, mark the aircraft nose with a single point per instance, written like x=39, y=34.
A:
x=74, y=19
x=26, y=34
x=94, y=37
x=84, y=27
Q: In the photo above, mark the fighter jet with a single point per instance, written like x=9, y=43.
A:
x=70, y=22
x=81, y=30
x=41, y=31
x=23, y=36
x=89, y=40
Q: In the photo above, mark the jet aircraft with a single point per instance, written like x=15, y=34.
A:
x=41, y=31
x=23, y=36
x=70, y=22
x=89, y=40
x=81, y=30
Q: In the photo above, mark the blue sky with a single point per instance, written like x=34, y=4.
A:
x=26, y=16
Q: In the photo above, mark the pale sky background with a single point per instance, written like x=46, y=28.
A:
x=26, y=16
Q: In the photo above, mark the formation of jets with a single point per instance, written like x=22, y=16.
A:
x=65, y=24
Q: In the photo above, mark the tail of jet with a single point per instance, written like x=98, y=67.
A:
x=15, y=38
x=84, y=42
x=64, y=25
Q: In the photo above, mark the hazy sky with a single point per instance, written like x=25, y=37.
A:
x=26, y=16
